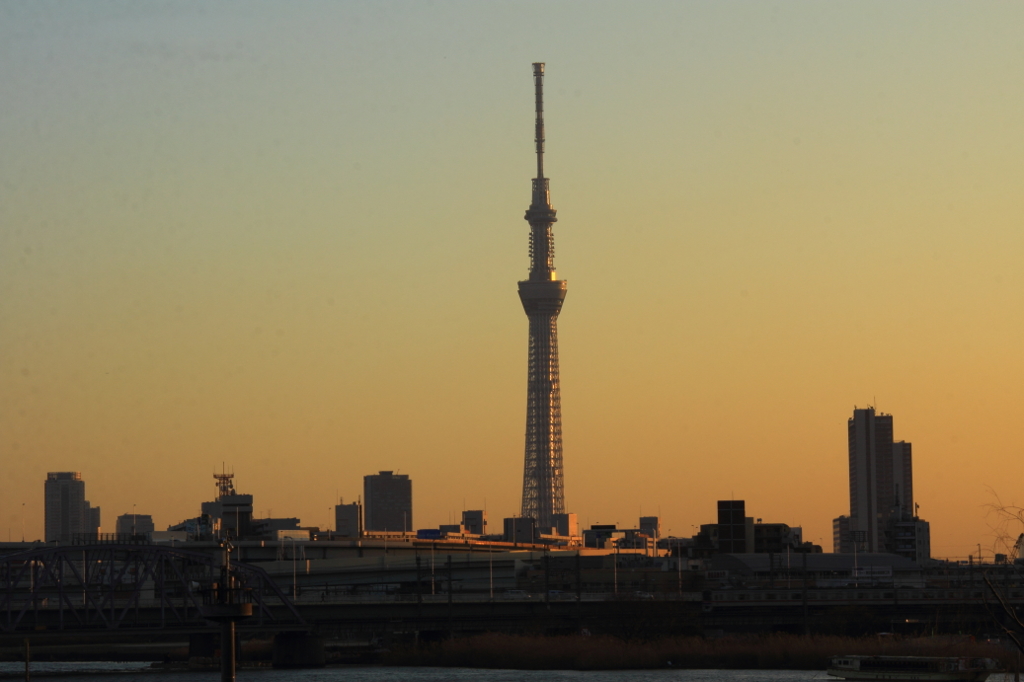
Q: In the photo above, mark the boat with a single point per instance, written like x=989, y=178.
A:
x=912, y=668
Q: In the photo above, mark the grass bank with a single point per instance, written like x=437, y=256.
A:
x=773, y=651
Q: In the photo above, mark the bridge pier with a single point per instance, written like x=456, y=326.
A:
x=298, y=650
x=228, y=651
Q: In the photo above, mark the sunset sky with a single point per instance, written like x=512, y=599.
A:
x=286, y=237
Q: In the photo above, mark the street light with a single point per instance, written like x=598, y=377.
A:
x=615, y=569
x=679, y=560
x=857, y=537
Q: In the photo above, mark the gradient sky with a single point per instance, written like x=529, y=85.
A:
x=286, y=237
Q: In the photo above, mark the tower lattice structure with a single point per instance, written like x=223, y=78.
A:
x=542, y=295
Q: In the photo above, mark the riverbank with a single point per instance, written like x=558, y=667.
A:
x=764, y=652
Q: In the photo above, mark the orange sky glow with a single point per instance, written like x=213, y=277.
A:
x=287, y=238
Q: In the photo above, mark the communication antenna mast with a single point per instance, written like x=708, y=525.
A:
x=225, y=486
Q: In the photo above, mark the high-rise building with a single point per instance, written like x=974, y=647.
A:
x=67, y=513
x=542, y=295
x=388, y=499
x=881, y=484
x=903, y=478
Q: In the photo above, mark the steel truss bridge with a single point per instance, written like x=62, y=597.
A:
x=105, y=588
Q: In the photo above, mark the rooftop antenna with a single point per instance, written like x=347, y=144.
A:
x=224, y=484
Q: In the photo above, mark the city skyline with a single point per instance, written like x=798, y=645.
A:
x=228, y=238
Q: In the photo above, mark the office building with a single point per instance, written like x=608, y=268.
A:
x=388, y=499
x=883, y=514
x=911, y=538
x=68, y=515
x=650, y=526
x=566, y=525
x=735, y=529
x=231, y=511
x=520, y=529
x=903, y=479
x=348, y=520
x=135, y=524
x=475, y=521
x=737, y=533
x=842, y=537
x=881, y=482
x=777, y=538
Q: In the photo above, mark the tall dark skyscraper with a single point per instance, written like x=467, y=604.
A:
x=68, y=513
x=881, y=484
x=542, y=295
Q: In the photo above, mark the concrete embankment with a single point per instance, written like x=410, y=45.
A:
x=104, y=651
x=776, y=651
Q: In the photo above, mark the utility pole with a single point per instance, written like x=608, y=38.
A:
x=547, y=586
x=806, y=630
x=451, y=630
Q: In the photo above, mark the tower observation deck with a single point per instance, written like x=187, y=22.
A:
x=542, y=295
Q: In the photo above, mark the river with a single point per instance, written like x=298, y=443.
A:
x=127, y=672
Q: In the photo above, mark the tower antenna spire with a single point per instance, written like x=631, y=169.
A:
x=538, y=137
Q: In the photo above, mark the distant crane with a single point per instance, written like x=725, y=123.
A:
x=1015, y=552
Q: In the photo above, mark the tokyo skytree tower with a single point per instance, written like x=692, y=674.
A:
x=542, y=295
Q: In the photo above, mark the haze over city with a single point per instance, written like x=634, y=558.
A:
x=286, y=237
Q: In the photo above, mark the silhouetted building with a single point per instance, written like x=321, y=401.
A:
x=650, y=526
x=910, y=538
x=772, y=538
x=67, y=513
x=348, y=520
x=903, y=478
x=737, y=533
x=843, y=538
x=269, y=527
x=520, y=529
x=135, y=524
x=566, y=525
x=231, y=511
x=733, y=534
x=881, y=484
x=199, y=528
x=475, y=521
x=602, y=536
x=388, y=499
